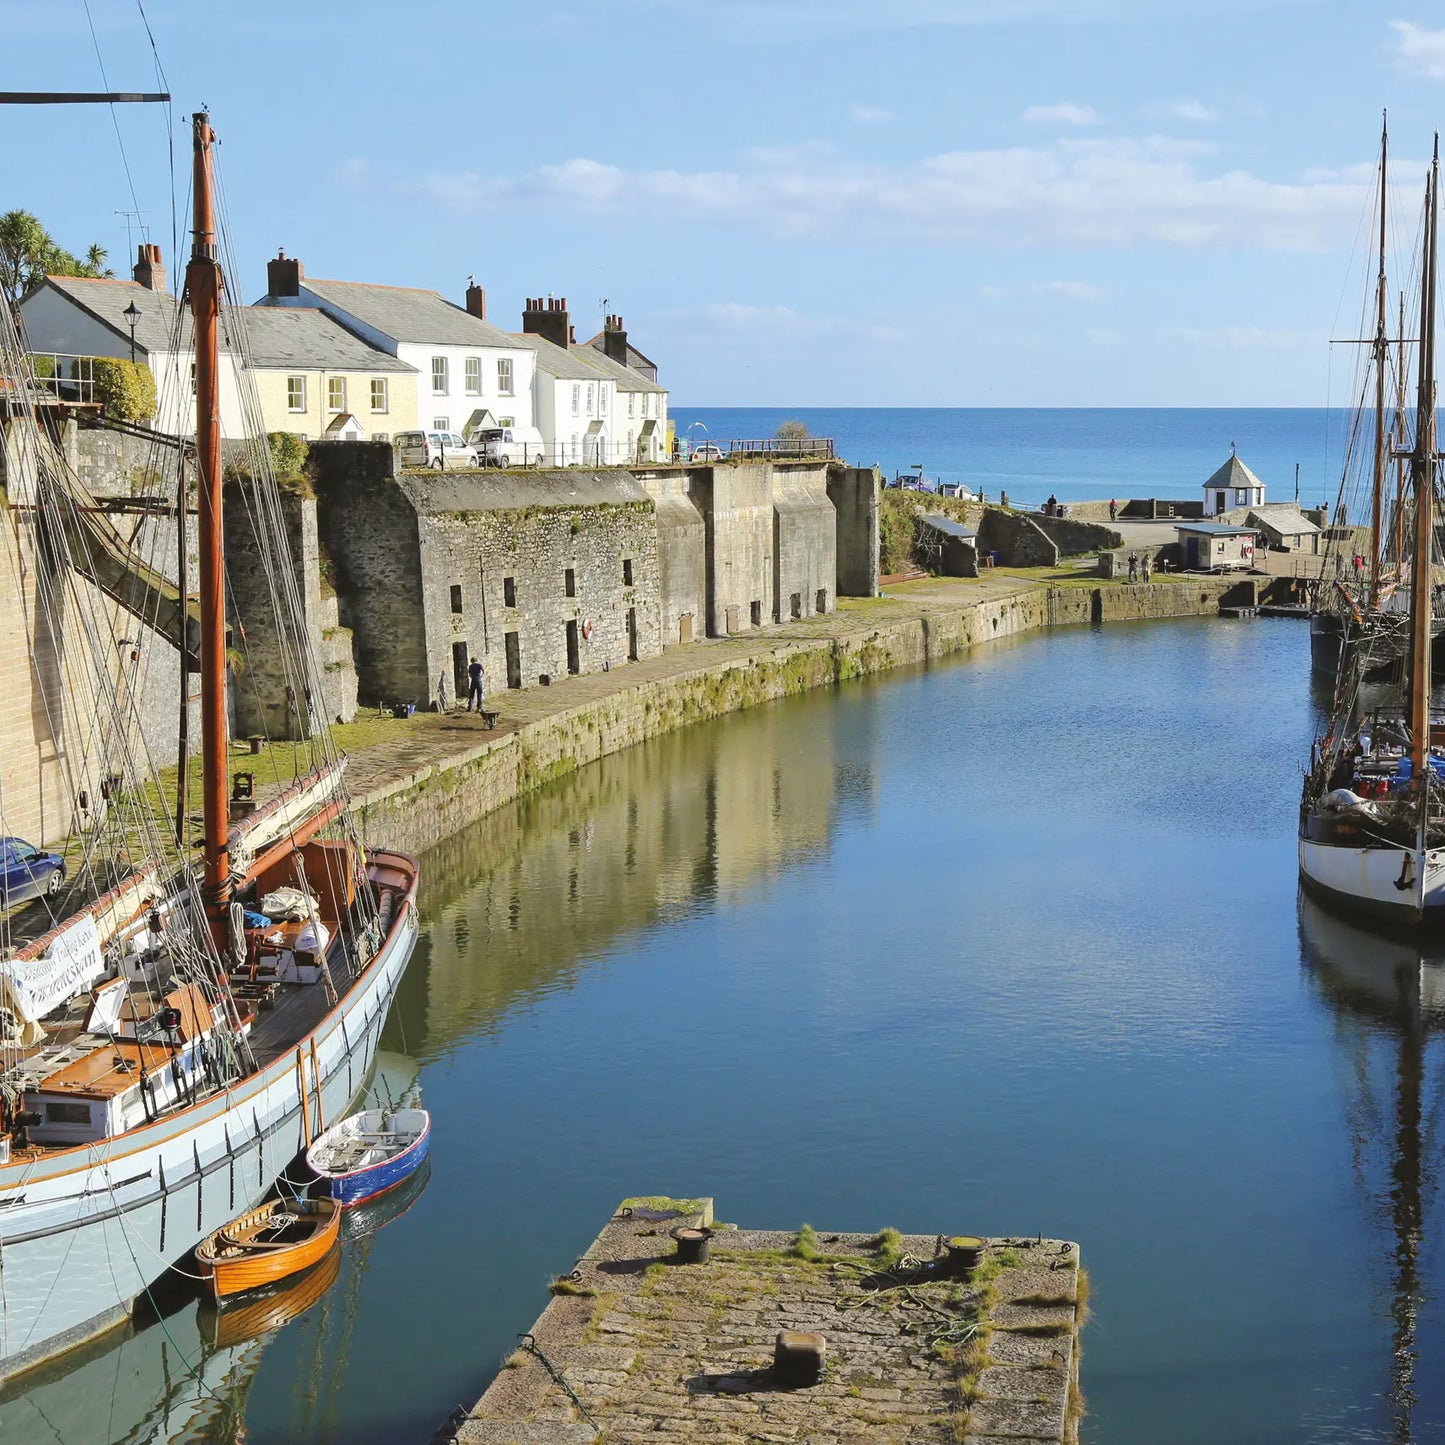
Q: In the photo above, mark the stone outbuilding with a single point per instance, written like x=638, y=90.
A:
x=539, y=575
x=957, y=545
x=1283, y=525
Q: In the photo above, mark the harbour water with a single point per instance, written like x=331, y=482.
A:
x=1011, y=944
x=1073, y=453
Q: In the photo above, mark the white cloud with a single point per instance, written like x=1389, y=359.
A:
x=1194, y=112
x=871, y=114
x=1064, y=113
x=1074, y=290
x=1072, y=191
x=1240, y=338
x=1419, y=51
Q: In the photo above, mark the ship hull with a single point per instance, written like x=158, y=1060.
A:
x=1403, y=885
x=85, y=1232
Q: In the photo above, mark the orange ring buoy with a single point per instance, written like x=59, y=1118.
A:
x=587, y=630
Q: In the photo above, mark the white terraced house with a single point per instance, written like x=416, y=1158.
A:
x=468, y=373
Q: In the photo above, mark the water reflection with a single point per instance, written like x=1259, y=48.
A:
x=1389, y=1001
x=519, y=905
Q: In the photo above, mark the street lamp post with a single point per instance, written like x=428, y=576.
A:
x=132, y=314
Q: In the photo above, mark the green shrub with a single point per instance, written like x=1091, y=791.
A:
x=125, y=389
x=288, y=454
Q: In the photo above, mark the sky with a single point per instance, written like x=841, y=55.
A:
x=790, y=202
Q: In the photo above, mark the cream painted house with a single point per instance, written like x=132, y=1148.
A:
x=308, y=374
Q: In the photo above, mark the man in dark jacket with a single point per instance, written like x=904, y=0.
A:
x=474, y=685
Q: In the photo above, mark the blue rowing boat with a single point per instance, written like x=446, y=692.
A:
x=370, y=1152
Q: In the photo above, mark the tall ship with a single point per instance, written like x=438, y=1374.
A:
x=1359, y=602
x=180, y=1022
x=1372, y=812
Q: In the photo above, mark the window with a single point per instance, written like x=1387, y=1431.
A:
x=631, y=403
x=474, y=375
x=295, y=392
x=569, y=581
x=509, y=591
x=457, y=598
x=193, y=378
x=627, y=571
x=381, y=436
x=504, y=376
x=439, y=375
x=335, y=393
x=378, y=393
x=67, y=1113
x=441, y=423
x=576, y=398
x=589, y=398
x=602, y=400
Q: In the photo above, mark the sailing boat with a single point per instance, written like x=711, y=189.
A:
x=1362, y=609
x=1372, y=828
x=173, y=1045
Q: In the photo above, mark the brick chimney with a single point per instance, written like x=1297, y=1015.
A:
x=477, y=301
x=614, y=340
x=547, y=317
x=149, y=270
x=283, y=277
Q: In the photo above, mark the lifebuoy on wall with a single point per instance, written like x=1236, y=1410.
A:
x=587, y=630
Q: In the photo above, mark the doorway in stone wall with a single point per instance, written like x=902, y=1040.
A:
x=514, y=660
x=574, y=655
x=632, y=634
x=461, y=657
x=684, y=627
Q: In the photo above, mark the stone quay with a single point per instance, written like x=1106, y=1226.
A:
x=674, y=1328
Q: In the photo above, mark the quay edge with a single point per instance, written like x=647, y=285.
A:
x=419, y=806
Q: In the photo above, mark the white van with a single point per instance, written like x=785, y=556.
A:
x=433, y=449
x=509, y=446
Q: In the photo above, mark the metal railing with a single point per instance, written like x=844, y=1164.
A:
x=786, y=448
x=64, y=376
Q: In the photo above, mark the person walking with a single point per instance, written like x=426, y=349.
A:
x=1146, y=567
x=1133, y=568
x=474, y=685
x=1113, y=509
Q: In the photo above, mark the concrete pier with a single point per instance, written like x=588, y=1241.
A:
x=919, y=1337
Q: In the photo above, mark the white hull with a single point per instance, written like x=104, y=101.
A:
x=84, y=1232
x=1407, y=884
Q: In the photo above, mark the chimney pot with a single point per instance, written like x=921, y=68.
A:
x=149, y=270
x=283, y=276
x=547, y=317
x=477, y=301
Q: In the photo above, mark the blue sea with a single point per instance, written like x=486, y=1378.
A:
x=1073, y=453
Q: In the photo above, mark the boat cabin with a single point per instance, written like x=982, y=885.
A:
x=1215, y=546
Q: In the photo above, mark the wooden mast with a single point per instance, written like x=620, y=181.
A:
x=1402, y=464
x=1422, y=469
x=203, y=283
x=1381, y=356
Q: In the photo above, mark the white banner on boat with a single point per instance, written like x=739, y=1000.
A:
x=37, y=985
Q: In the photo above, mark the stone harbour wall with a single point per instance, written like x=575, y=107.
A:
x=438, y=800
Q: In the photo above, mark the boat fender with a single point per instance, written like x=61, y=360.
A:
x=587, y=630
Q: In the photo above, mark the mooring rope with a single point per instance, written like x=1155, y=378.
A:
x=530, y=1344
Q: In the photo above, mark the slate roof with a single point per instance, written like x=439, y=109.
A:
x=1233, y=473
x=951, y=527
x=566, y=363
x=302, y=338
x=1283, y=518
x=635, y=358
x=626, y=378
x=106, y=300
x=1215, y=529
x=307, y=339
x=407, y=314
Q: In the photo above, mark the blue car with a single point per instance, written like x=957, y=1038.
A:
x=27, y=871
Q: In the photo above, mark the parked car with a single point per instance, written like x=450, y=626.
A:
x=433, y=449
x=707, y=452
x=27, y=871
x=505, y=446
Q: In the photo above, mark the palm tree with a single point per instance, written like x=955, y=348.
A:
x=95, y=259
x=23, y=242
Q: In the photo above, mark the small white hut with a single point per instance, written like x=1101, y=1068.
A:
x=1233, y=485
x=1215, y=546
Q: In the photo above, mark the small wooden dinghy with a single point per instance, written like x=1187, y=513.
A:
x=273, y=1242
x=260, y=1312
x=370, y=1152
